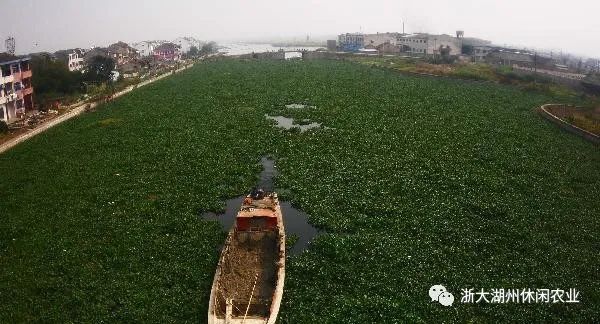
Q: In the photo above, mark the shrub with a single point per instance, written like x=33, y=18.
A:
x=3, y=127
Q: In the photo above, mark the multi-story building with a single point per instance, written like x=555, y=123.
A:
x=381, y=38
x=122, y=53
x=146, y=48
x=428, y=44
x=75, y=62
x=16, y=92
x=186, y=43
x=351, y=42
x=481, y=52
x=167, y=52
x=388, y=48
x=72, y=58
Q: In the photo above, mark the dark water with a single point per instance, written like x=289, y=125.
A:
x=267, y=175
x=294, y=220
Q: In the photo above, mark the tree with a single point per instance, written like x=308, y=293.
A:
x=467, y=49
x=445, y=54
x=99, y=69
x=147, y=61
x=193, y=51
x=208, y=48
x=52, y=79
x=3, y=127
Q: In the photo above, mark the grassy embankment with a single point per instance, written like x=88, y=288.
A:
x=587, y=118
x=477, y=71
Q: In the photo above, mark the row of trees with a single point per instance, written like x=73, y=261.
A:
x=53, y=81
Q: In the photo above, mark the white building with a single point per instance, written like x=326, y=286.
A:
x=185, y=43
x=146, y=48
x=75, y=62
x=380, y=38
x=351, y=42
x=427, y=44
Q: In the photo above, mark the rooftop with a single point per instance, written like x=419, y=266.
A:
x=120, y=48
x=166, y=47
x=6, y=58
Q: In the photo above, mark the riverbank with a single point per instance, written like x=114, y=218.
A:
x=581, y=121
x=8, y=141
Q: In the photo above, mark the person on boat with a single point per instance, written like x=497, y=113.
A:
x=257, y=194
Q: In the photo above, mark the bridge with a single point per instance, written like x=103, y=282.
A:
x=282, y=55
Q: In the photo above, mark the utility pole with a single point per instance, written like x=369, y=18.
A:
x=10, y=45
x=535, y=67
x=435, y=50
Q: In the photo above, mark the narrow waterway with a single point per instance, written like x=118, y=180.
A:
x=295, y=221
x=288, y=123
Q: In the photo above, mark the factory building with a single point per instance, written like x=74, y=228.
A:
x=428, y=44
x=351, y=42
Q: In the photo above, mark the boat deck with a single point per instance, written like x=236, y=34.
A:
x=249, y=269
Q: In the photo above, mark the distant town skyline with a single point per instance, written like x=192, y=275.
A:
x=59, y=24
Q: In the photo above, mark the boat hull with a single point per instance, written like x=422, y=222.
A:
x=248, y=283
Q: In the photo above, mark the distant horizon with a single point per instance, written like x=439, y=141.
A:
x=278, y=39
x=62, y=24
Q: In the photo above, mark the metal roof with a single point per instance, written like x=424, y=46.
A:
x=6, y=58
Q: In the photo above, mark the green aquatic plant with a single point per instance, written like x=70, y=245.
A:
x=416, y=181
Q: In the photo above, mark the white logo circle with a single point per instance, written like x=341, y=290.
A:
x=435, y=291
x=446, y=298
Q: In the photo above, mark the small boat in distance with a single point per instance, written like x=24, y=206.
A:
x=248, y=283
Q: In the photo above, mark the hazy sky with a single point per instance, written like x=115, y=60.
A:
x=573, y=26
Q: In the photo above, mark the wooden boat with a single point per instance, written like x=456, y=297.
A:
x=248, y=283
